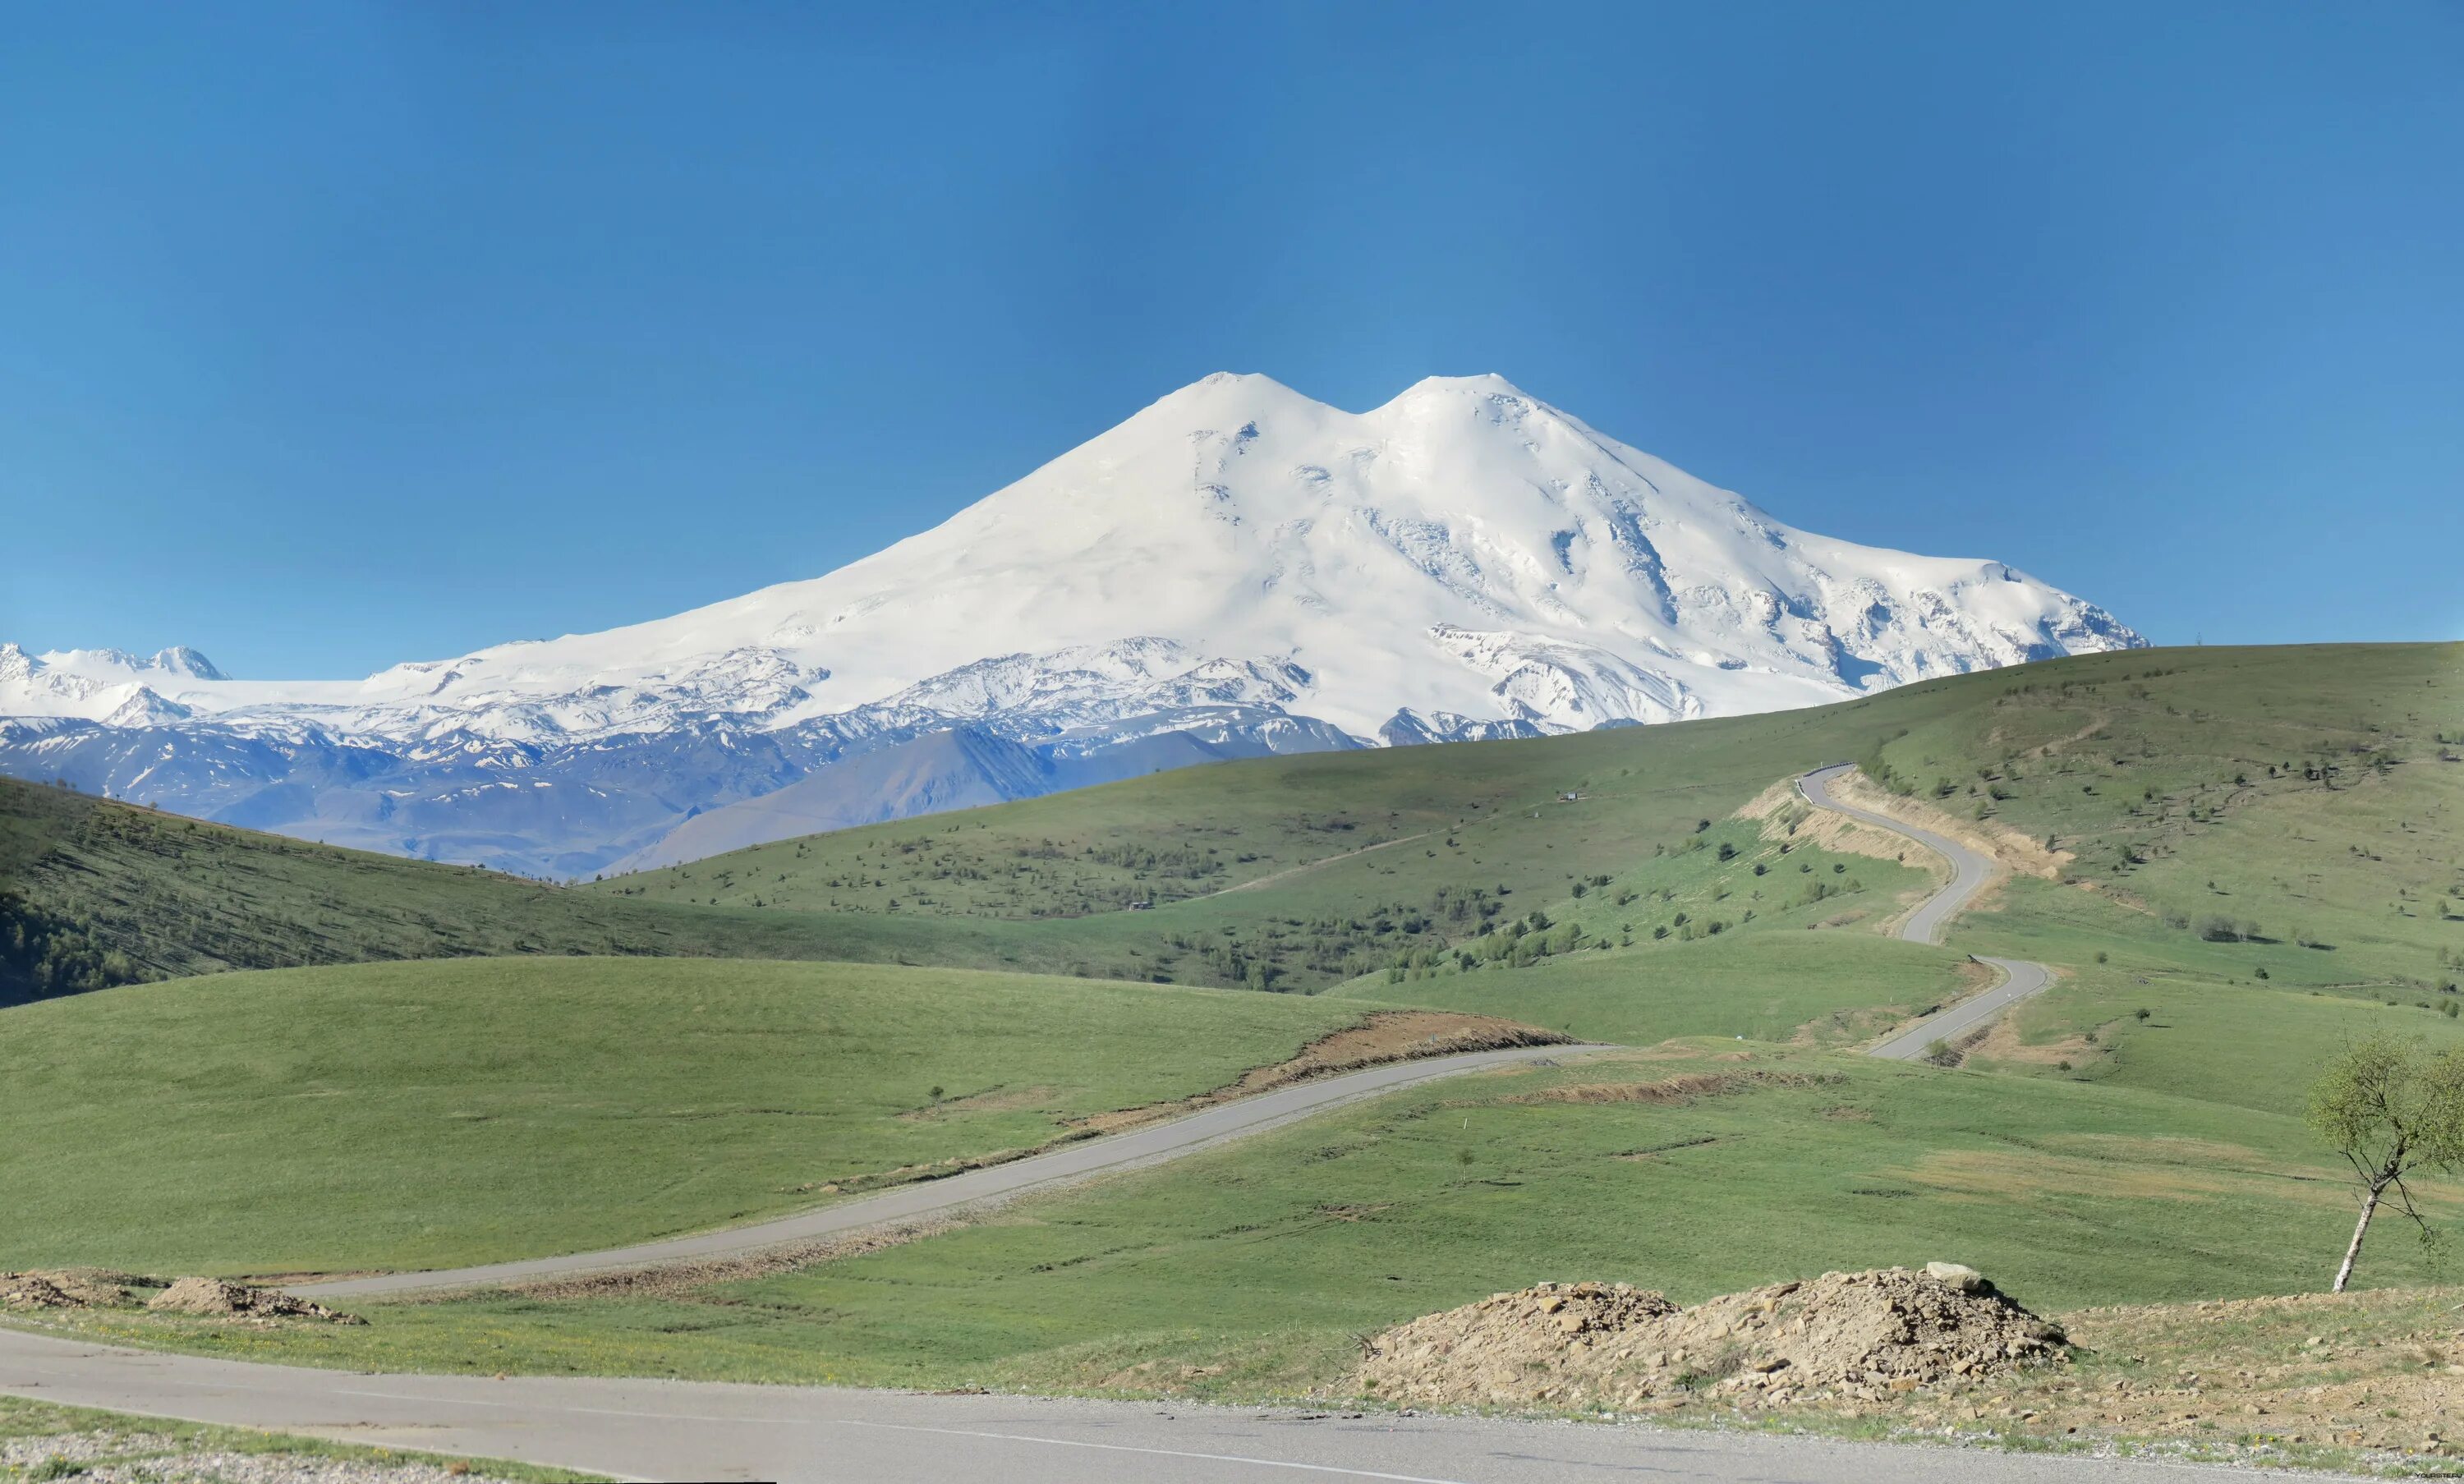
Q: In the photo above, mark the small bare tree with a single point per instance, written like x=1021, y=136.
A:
x=2392, y=1109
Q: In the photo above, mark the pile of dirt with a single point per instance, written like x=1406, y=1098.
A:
x=1845, y=1335
x=68, y=1288
x=35, y=1291
x=213, y=1297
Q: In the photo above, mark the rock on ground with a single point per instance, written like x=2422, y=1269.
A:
x=1858, y=1335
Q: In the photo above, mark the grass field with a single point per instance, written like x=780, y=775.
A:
x=420, y=1115
x=1247, y=1270
x=1838, y=986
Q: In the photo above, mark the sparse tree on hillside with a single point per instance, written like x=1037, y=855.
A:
x=2392, y=1109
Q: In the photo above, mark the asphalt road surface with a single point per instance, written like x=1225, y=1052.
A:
x=1970, y=872
x=672, y=1429
x=1070, y=1162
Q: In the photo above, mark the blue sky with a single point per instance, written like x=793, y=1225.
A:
x=333, y=336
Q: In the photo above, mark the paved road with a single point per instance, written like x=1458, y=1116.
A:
x=2020, y=979
x=1068, y=1164
x=670, y=1429
x=1970, y=874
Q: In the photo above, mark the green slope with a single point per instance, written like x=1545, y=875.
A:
x=1304, y=872
x=1254, y=1267
x=95, y=893
x=1296, y=873
x=1837, y=987
x=420, y=1115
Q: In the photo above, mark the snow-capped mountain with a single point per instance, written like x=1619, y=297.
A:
x=1236, y=570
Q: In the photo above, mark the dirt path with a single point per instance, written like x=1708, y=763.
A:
x=1272, y=877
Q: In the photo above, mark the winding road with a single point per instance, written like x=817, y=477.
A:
x=671, y=1430
x=1970, y=874
x=1066, y=1165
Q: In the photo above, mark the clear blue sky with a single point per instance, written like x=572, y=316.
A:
x=338, y=334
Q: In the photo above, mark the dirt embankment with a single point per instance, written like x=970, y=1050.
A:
x=1385, y=1037
x=1786, y=815
x=1843, y=1336
x=2024, y=855
x=1787, y=818
x=1676, y=1089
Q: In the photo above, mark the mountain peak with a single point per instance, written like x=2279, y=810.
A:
x=1242, y=385
x=1238, y=568
x=180, y=659
x=1487, y=384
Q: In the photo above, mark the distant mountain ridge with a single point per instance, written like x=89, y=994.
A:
x=1237, y=569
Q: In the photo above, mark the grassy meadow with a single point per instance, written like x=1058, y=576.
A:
x=1248, y=1269
x=427, y=1114
x=1830, y=986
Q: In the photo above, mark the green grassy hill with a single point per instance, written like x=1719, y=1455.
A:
x=433, y=1113
x=2154, y=769
x=94, y=893
x=2307, y=785
x=2256, y=855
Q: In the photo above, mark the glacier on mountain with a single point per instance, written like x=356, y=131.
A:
x=1238, y=570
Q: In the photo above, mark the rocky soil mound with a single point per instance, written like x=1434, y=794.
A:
x=67, y=1288
x=1857, y=1335
x=213, y=1296
x=33, y=1291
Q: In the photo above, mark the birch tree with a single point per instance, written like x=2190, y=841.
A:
x=2392, y=1110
